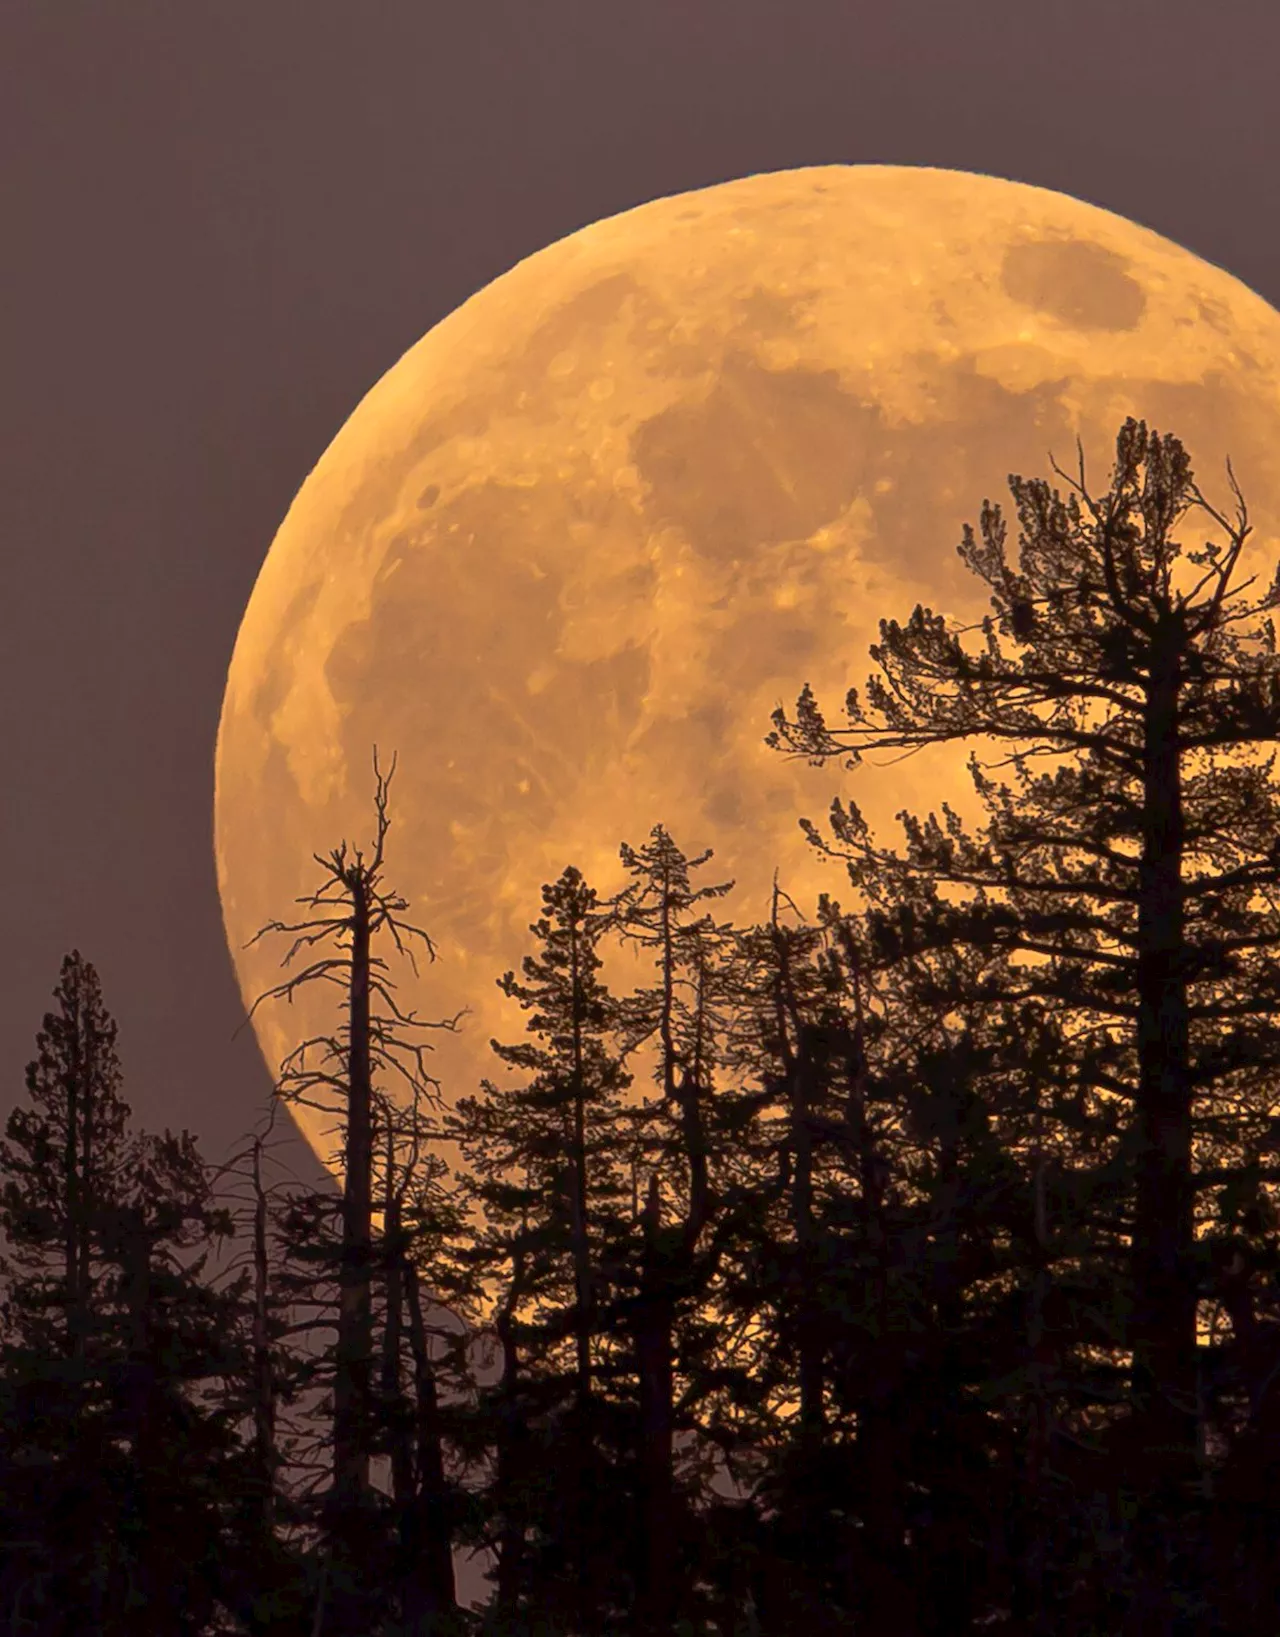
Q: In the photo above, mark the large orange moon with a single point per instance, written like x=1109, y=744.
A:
x=572, y=549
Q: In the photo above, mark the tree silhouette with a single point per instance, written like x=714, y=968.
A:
x=423, y=1278
x=679, y=1018
x=935, y=1287
x=547, y=1172
x=115, y=1455
x=335, y=1074
x=1128, y=877
x=63, y=1160
x=266, y=1390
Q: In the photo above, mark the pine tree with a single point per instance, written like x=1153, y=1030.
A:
x=116, y=1457
x=170, y=1536
x=63, y=1161
x=958, y=1074
x=547, y=1173
x=1128, y=879
x=779, y=1043
x=679, y=1018
x=899, y=1261
x=62, y=1164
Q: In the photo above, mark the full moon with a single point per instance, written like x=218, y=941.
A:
x=569, y=553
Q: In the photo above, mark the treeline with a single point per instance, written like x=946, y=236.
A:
x=906, y=1268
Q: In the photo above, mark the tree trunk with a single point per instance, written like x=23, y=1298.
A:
x=1029, y=1520
x=655, y=1605
x=152, y=1545
x=795, y=1046
x=1163, y=1281
x=355, y=1317
x=809, y=1320
x=89, y=1201
x=579, y=1488
x=75, y=1202
x=946, y=1556
x=511, y=1466
x=578, y=1198
x=82, y=1196
x=350, y=1498
x=431, y=1591
x=264, y=1382
x=400, y=1431
x=879, y=1579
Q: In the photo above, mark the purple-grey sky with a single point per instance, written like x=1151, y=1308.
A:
x=221, y=223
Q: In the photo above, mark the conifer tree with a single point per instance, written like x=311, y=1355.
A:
x=170, y=1537
x=63, y=1160
x=891, y=1262
x=777, y=1044
x=679, y=1018
x=547, y=1172
x=957, y=1075
x=1128, y=877
x=113, y=1350
x=506, y=1425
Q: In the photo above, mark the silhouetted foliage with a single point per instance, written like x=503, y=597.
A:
x=898, y=1270
x=116, y=1460
x=547, y=1166
x=681, y=1019
x=1131, y=879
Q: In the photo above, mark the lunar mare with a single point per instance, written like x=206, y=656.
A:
x=572, y=549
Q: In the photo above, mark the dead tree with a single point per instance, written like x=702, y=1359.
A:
x=335, y=1074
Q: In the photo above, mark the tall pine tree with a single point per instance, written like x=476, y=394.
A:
x=116, y=1457
x=1129, y=878
x=547, y=1159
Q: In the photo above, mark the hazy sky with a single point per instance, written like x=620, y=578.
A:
x=221, y=222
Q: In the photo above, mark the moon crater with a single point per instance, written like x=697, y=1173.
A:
x=1076, y=282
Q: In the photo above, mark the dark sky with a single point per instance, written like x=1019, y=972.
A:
x=221, y=222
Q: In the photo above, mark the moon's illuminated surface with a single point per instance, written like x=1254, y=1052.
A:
x=573, y=548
